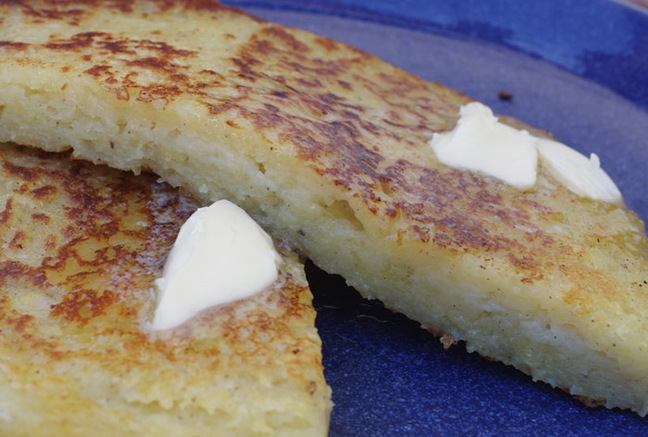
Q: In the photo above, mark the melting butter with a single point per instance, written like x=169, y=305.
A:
x=480, y=143
x=220, y=255
x=581, y=175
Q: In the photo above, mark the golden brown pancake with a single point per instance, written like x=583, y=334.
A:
x=81, y=247
x=328, y=146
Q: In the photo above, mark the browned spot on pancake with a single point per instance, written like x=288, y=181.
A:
x=117, y=46
x=43, y=218
x=15, y=269
x=6, y=213
x=42, y=192
x=213, y=74
x=531, y=267
x=13, y=45
x=98, y=70
x=11, y=269
x=346, y=85
x=76, y=42
x=596, y=287
x=312, y=83
x=82, y=305
x=18, y=240
x=578, y=299
x=157, y=92
x=21, y=322
x=328, y=44
x=288, y=40
x=152, y=63
x=50, y=242
x=50, y=12
x=19, y=171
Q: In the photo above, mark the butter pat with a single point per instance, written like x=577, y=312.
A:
x=581, y=175
x=220, y=255
x=481, y=143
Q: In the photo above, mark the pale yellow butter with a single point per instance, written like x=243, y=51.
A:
x=480, y=143
x=220, y=255
x=579, y=174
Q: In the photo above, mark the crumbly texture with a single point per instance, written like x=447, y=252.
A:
x=327, y=146
x=81, y=247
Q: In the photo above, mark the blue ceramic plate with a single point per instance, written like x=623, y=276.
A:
x=576, y=68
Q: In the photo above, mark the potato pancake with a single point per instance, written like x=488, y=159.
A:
x=81, y=247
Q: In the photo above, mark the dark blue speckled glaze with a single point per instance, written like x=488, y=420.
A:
x=578, y=68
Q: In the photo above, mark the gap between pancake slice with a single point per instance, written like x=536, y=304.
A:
x=328, y=146
x=82, y=245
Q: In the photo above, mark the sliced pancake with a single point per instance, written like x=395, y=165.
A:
x=328, y=146
x=81, y=247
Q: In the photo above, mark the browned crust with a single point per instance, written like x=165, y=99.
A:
x=359, y=123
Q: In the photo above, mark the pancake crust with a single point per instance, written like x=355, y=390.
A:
x=81, y=246
x=327, y=146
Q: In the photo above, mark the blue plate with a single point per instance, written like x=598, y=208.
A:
x=577, y=68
